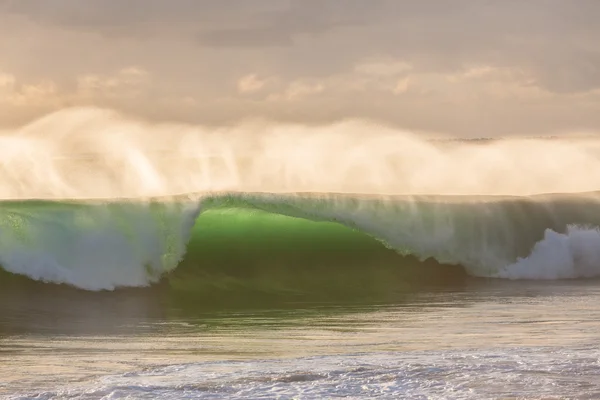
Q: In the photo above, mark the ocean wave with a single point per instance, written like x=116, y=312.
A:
x=102, y=245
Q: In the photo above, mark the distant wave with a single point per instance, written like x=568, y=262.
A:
x=102, y=245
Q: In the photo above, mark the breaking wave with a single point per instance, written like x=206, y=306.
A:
x=102, y=245
x=285, y=178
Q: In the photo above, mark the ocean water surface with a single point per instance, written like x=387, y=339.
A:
x=301, y=296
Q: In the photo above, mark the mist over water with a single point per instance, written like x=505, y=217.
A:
x=95, y=153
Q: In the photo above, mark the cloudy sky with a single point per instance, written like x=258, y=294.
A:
x=461, y=67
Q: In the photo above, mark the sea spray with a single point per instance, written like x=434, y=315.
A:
x=83, y=153
x=574, y=254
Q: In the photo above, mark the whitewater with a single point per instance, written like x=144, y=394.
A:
x=98, y=201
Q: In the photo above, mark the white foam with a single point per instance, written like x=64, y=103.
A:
x=575, y=254
x=96, y=247
x=534, y=372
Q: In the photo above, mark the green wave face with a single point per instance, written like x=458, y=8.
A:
x=245, y=253
x=298, y=245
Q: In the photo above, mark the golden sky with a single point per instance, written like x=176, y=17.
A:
x=462, y=67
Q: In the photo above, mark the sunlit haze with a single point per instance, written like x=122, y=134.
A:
x=145, y=98
x=90, y=153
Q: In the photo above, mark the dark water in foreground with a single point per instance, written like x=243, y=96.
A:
x=473, y=339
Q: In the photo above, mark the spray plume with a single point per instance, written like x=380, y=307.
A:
x=93, y=153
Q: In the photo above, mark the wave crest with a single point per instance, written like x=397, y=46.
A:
x=104, y=245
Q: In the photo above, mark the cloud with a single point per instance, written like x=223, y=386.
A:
x=250, y=83
x=7, y=82
x=127, y=81
x=555, y=39
x=22, y=94
x=462, y=67
x=234, y=23
x=383, y=68
x=297, y=90
x=402, y=86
